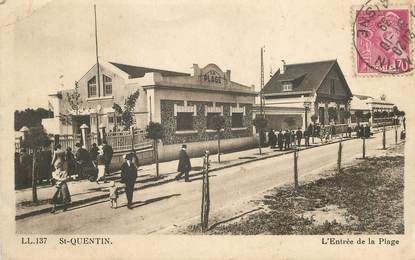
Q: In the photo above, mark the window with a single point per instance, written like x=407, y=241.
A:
x=119, y=119
x=92, y=87
x=287, y=86
x=237, y=120
x=107, y=86
x=110, y=119
x=209, y=120
x=184, y=121
x=332, y=87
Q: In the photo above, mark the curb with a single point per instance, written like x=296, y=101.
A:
x=168, y=180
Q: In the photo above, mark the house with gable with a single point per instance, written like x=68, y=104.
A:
x=298, y=91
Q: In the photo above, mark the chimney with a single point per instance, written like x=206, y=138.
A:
x=196, y=70
x=228, y=75
x=282, y=68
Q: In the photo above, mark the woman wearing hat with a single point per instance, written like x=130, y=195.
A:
x=60, y=176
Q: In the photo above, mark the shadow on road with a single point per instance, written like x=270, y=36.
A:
x=149, y=201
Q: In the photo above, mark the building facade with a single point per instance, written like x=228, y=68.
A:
x=183, y=103
x=380, y=110
x=298, y=91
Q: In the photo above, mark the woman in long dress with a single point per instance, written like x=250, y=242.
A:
x=60, y=175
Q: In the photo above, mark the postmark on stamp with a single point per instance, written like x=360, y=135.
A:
x=382, y=39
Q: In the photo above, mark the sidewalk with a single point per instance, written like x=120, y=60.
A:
x=85, y=191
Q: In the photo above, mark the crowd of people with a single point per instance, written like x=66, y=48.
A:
x=288, y=138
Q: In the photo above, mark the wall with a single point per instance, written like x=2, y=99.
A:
x=285, y=121
x=168, y=120
x=196, y=149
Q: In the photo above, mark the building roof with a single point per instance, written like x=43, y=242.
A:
x=359, y=104
x=304, y=76
x=139, y=72
x=362, y=97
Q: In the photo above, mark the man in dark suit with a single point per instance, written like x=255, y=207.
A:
x=83, y=160
x=299, y=136
x=287, y=139
x=184, y=164
x=107, y=149
x=128, y=176
x=271, y=138
x=280, y=138
x=307, y=137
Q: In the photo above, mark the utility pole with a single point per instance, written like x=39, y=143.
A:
x=98, y=77
x=260, y=97
x=262, y=81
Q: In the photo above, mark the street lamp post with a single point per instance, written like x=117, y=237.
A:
x=307, y=105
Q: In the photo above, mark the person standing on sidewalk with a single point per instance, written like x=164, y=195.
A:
x=287, y=139
x=307, y=137
x=128, y=177
x=184, y=164
x=271, y=138
x=100, y=166
x=93, y=153
x=82, y=159
x=71, y=161
x=60, y=175
x=280, y=138
x=299, y=136
x=107, y=149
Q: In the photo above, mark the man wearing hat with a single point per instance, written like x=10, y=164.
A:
x=128, y=176
x=184, y=164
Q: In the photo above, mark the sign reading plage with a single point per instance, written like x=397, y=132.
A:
x=212, y=76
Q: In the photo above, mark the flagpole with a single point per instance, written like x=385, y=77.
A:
x=98, y=77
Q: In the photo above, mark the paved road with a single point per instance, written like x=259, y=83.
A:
x=159, y=209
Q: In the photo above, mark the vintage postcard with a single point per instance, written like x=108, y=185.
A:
x=207, y=129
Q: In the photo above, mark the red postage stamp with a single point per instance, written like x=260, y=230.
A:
x=382, y=41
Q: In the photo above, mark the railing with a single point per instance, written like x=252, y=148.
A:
x=123, y=141
x=67, y=141
x=120, y=141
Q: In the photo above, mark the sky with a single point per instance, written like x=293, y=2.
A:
x=52, y=42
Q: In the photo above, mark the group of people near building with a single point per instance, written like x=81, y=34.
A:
x=65, y=163
x=286, y=139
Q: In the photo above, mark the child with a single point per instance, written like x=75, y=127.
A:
x=113, y=189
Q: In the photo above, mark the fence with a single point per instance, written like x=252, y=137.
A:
x=123, y=141
x=120, y=141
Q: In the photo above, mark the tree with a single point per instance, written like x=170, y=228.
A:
x=35, y=140
x=314, y=120
x=127, y=113
x=260, y=123
x=218, y=123
x=117, y=111
x=30, y=117
x=155, y=132
x=74, y=99
x=384, y=114
x=383, y=97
